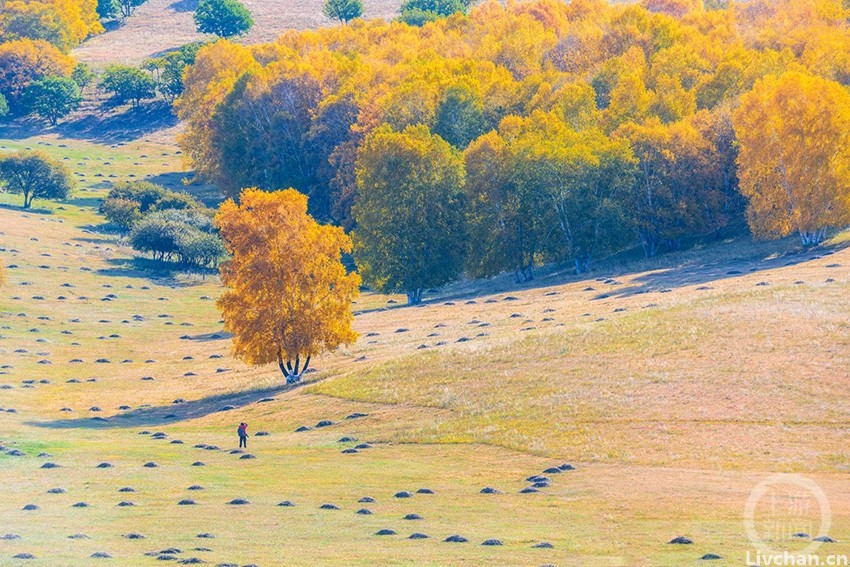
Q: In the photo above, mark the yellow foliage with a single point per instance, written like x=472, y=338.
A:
x=296, y=112
x=64, y=23
x=207, y=83
x=288, y=295
x=24, y=61
x=794, y=161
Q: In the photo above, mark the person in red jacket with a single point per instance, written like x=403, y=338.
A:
x=243, y=435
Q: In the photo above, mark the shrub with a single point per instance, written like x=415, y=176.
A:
x=158, y=236
x=121, y=212
x=177, y=201
x=201, y=249
x=184, y=235
x=201, y=220
x=145, y=193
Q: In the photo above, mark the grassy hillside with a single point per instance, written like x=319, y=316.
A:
x=160, y=25
x=674, y=386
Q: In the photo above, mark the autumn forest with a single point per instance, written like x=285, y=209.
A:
x=538, y=131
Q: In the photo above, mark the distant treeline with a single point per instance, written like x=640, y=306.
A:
x=538, y=131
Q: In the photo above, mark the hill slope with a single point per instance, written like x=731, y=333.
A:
x=674, y=387
x=160, y=25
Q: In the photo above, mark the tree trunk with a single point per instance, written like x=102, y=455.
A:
x=812, y=238
x=523, y=274
x=414, y=297
x=27, y=200
x=649, y=244
x=291, y=372
x=582, y=264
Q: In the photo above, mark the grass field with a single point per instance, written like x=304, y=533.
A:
x=160, y=25
x=674, y=386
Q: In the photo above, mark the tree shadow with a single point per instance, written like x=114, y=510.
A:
x=206, y=337
x=103, y=124
x=700, y=265
x=20, y=209
x=154, y=270
x=171, y=179
x=82, y=202
x=131, y=124
x=173, y=413
x=184, y=5
x=701, y=273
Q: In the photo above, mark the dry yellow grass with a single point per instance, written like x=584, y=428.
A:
x=672, y=414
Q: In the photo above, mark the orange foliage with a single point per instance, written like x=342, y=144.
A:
x=24, y=61
x=288, y=295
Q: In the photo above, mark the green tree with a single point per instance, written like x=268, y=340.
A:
x=52, y=98
x=202, y=249
x=83, y=75
x=410, y=211
x=507, y=225
x=158, y=235
x=460, y=117
x=4, y=107
x=343, y=10
x=24, y=61
x=169, y=69
x=108, y=9
x=224, y=18
x=420, y=12
x=587, y=179
x=177, y=201
x=35, y=175
x=128, y=84
x=680, y=190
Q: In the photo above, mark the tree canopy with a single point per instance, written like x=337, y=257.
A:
x=409, y=212
x=35, y=175
x=24, y=61
x=794, y=164
x=288, y=296
x=63, y=23
x=584, y=128
x=52, y=97
x=343, y=10
x=128, y=84
x=224, y=18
